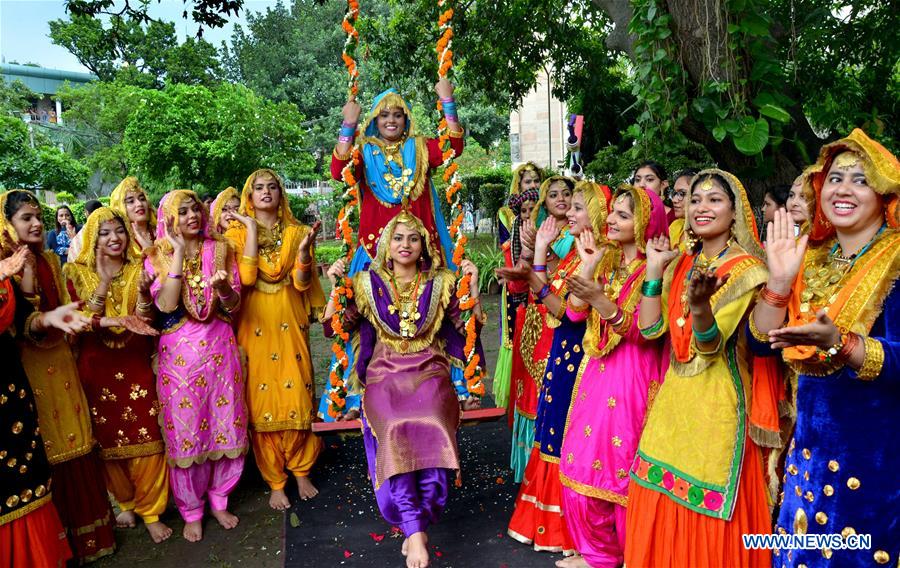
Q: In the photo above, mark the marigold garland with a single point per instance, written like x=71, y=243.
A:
x=343, y=291
x=473, y=371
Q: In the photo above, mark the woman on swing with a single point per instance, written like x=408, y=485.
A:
x=406, y=311
x=396, y=166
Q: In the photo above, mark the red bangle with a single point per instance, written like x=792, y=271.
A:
x=774, y=299
x=850, y=343
x=95, y=322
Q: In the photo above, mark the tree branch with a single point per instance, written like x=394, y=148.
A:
x=620, y=12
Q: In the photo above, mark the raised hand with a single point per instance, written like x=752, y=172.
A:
x=704, y=283
x=245, y=220
x=784, y=252
x=145, y=282
x=175, y=239
x=308, y=240
x=13, y=264
x=443, y=88
x=220, y=283
x=142, y=239
x=588, y=251
x=547, y=233
x=820, y=332
x=336, y=271
x=659, y=255
x=70, y=229
x=351, y=111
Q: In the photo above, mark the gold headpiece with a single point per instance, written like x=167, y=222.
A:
x=706, y=185
x=846, y=160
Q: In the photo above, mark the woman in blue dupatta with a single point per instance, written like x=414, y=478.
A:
x=396, y=168
x=407, y=314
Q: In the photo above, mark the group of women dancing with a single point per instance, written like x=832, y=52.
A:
x=672, y=382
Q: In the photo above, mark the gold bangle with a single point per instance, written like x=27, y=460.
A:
x=342, y=157
x=455, y=134
x=623, y=325
x=756, y=333
x=251, y=260
x=873, y=362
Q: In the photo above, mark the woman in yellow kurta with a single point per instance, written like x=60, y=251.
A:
x=281, y=297
x=63, y=413
x=697, y=482
x=114, y=363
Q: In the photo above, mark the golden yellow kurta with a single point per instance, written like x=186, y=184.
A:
x=63, y=414
x=273, y=328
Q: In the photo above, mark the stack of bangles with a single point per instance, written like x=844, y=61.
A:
x=348, y=132
x=707, y=336
x=545, y=291
x=97, y=303
x=304, y=266
x=449, y=106
x=774, y=299
x=539, y=268
x=616, y=318
x=841, y=351
x=652, y=288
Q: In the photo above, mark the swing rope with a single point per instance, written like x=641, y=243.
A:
x=343, y=290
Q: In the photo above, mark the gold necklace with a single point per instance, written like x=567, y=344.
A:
x=270, y=249
x=193, y=271
x=402, y=185
x=615, y=284
x=407, y=306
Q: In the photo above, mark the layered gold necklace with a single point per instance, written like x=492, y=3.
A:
x=400, y=186
x=619, y=276
x=406, y=304
x=193, y=276
x=270, y=245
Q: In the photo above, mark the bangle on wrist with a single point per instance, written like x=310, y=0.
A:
x=706, y=336
x=174, y=276
x=774, y=299
x=543, y=293
x=652, y=288
x=95, y=322
x=539, y=268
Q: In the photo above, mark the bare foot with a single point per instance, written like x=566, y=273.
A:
x=158, y=531
x=417, y=551
x=193, y=531
x=306, y=488
x=226, y=519
x=278, y=500
x=126, y=520
x=576, y=561
x=404, y=546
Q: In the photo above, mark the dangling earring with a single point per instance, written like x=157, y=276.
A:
x=691, y=238
x=390, y=264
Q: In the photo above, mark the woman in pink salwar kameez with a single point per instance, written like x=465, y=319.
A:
x=199, y=381
x=618, y=377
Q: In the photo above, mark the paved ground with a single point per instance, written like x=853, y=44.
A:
x=343, y=519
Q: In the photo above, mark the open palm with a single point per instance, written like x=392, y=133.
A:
x=784, y=252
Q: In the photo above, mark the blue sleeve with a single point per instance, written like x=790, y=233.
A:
x=51, y=240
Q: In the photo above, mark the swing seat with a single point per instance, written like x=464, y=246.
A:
x=468, y=417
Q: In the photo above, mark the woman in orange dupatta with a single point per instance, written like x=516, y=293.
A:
x=833, y=310
x=697, y=482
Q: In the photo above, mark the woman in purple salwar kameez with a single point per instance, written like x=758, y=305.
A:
x=199, y=381
x=619, y=375
x=408, y=316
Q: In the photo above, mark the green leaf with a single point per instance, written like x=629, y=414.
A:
x=659, y=55
x=755, y=24
x=651, y=12
x=719, y=133
x=295, y=520
x=753, y=139
x=775, y=112
x=732, y=126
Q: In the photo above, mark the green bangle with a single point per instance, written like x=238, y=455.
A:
x=651, y=288
x=707, y=336
x=653, y=329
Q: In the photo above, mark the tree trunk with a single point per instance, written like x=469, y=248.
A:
x=699, y=31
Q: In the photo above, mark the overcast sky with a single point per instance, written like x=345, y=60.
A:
x=24, y=29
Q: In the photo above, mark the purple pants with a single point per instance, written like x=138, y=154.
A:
x=215, y=479
x=597, y=528
x=411, y=501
